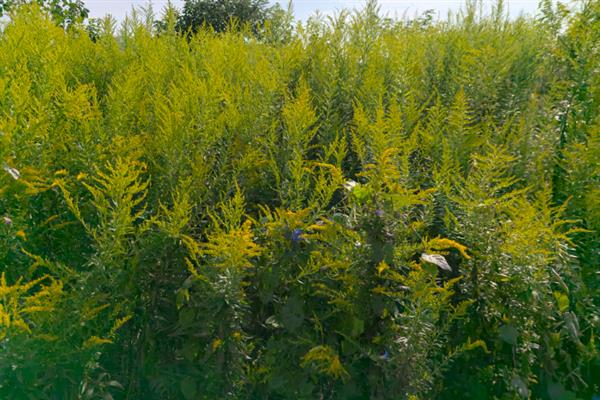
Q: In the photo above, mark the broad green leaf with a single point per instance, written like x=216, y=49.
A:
x=189, y=388
x=562, y=300
x=292, y=313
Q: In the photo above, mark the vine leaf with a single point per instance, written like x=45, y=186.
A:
x=436, y=259
x=14, y=173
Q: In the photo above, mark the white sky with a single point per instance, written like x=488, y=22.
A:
x=305, y=8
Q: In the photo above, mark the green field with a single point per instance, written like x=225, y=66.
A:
x=344, y=208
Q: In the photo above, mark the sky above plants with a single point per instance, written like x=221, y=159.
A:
x=304, y=8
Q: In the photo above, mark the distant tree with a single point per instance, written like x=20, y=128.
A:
x=219, y=13
x=64, y=12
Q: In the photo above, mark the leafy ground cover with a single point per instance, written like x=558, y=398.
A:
x=353, y=208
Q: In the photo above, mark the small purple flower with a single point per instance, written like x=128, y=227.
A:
x=385, y=356
x=379, y=213
x=7, y=221
x=297, y=235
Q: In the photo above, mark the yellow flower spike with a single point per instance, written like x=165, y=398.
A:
x=443, y=244
x=326, y=360
x=119, y=323
x=214, y=346
x=382, y=267
x=61, y=172
x=81, y=176
x=49, y=220
x=22, y=235
x=35, y=309
x=336, y=369
x=4, y=318
x=96, y=341
x=47, y=338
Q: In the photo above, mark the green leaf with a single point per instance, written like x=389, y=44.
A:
x=182, y=298
x=509, y=334
x=572, y=326
x=520, y=386
x=358, y=327
x=430, y=268
x=190, y=349
x=349, y=347
x=477, y=344
x=556, y=391
x=362, y=193
x=116, y=384
x=562, y=300
x=292, y=313
x=188, y=388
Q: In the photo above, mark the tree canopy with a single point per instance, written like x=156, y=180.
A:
x=219, y=13
x=64, y=12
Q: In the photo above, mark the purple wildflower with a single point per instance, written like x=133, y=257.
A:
x=7, y=221
x=379, y=213
x=385, y=356
x=297, y=235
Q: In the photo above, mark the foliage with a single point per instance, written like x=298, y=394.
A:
x=64, y=12
x=354, y=208
x=218, y=14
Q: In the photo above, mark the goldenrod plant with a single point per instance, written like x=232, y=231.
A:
x=349, y=207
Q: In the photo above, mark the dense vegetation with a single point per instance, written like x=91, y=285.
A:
x=63, y=12
x=355, y=208
x=219, y=14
